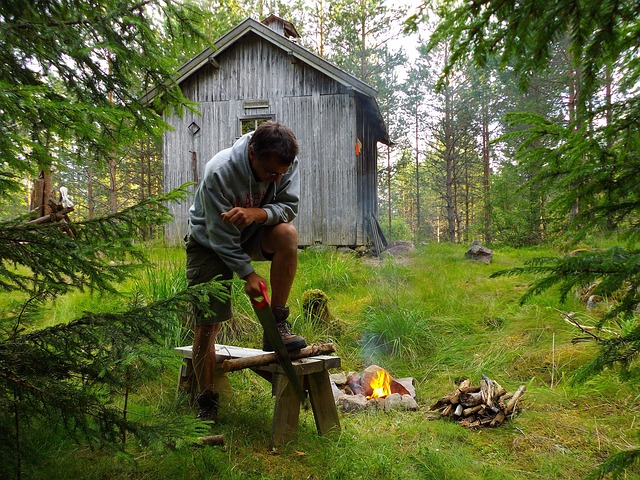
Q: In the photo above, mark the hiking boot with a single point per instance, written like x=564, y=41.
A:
x=208, y=402
x=291, y=342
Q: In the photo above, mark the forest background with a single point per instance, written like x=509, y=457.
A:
x=445, y=179
x=515, y=124
x=455, y=172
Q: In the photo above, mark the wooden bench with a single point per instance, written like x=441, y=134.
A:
x=313, y=376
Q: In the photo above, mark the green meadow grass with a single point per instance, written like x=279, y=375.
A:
x=435, y=317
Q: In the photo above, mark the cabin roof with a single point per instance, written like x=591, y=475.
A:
x=249, y=25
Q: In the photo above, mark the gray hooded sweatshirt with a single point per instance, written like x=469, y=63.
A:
x=229, y=182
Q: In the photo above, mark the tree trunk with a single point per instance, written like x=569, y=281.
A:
x=91, y=203
x=486, y=163
x=41, y=194
x=36, y=204
x=43, y=185
x=449, y=164
x=418, y=220
x=575, y=109
x=363, y=39
x=389, y=187
x=321, y=29
x=467, y=203
x=611, y=224
x=449, y=148
x=113, y=202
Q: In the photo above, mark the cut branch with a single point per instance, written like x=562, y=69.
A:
x=261, y=360
x=53, y=217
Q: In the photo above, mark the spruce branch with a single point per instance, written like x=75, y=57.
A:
x=616, y=274
x=616, y=465
x=43, y=259
x=74, y=372
x=616, y=271
x=621, y=352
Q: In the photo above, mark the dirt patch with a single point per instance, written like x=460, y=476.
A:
x=402, y=252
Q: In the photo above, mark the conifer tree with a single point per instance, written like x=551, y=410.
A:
x=72, y=75
x=590, y=158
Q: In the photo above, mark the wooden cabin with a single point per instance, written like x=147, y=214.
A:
x=257, y=71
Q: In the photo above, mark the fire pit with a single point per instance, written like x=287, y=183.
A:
x=373, y=389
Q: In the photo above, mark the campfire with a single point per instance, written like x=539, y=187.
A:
x=380, y=385
x=375, y=389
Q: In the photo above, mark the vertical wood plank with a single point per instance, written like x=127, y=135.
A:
x=323, y=405
x=286, y=411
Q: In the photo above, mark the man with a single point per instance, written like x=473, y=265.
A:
x=242, y=212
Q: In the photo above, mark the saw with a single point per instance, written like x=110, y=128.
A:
x=268, y=322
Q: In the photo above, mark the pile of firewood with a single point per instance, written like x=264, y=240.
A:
x=486, y=405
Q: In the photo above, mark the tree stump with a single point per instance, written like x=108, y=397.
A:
x=315, y=307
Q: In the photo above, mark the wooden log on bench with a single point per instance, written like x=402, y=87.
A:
x=56, y=215
x=234, y=364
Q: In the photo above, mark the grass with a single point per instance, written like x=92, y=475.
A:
x=435, y=317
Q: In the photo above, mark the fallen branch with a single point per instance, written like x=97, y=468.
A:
x=52, y=217
x=512, y=402
x=587, y=329
x=212, y=440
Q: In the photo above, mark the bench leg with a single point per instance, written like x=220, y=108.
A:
x=323, y=404
x=222, y=386
x=287, y=410
x=187, y=382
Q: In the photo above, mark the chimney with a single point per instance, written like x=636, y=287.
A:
x=281, y=26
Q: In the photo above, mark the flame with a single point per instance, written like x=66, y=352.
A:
x=381, y=384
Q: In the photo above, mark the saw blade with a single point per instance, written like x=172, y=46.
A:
x=268, y=322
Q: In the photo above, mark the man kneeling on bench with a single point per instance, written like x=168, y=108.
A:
x=241, y=212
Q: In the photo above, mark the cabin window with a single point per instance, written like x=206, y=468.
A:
x=249, y=124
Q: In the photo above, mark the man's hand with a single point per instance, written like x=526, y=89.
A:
x=242, y=217
x=252, y=287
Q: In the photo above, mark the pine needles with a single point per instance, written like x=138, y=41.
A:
x=77, y=373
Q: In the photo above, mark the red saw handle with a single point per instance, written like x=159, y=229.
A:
x=264, y=303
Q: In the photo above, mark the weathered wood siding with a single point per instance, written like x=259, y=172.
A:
x=367, y=184
x=320, y=111
x=325, y=127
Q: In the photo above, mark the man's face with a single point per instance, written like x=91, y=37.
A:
x=269, y=169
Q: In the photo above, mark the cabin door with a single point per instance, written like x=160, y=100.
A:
x=325, y=128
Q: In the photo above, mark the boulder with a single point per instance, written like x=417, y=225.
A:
x=396, y=401
x=479, y=253
x=354, y=382
x=352, y=403
x=403, y=386
x=369, y=374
